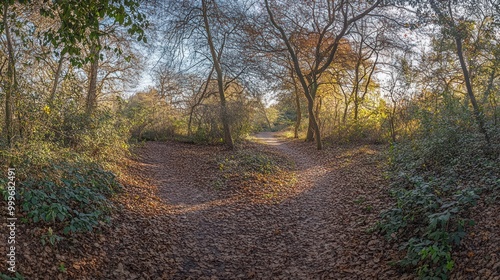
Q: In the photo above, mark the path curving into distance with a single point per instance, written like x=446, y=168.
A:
x=320, y=233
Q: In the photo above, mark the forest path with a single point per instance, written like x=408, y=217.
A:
x=321, y=231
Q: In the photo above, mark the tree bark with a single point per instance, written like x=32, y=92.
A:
x=298, y=112
x=57, y=75
x=92, y=88
x=228, y=140
x=312, y=116
x=11, y=78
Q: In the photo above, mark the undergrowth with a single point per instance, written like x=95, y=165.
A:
x=436, y=179
x=265, y=175
x=63, y=185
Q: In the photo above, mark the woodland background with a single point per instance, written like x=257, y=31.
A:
x=84, y=81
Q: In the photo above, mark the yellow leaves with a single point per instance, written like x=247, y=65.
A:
x=46, y=109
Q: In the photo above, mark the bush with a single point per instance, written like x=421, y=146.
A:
x=248, y=161
x=60, y=189
x=260, y=174
x=104, y=139
x=436, y=178
x=78, y=199
x=432, y=221
x=150, y=117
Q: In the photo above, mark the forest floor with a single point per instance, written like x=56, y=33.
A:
x=319, y=228
x=177, y=221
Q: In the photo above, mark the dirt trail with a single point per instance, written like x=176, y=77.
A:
x=174, y=223
x=321, y=232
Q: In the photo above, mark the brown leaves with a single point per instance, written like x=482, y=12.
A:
x=173, y=223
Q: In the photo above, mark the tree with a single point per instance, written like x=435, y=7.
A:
x=220, y=76
x=76, y=29
x=203, y=39
x=11, y=83
x=446, y=17
x=330, y=22
x=454, y=18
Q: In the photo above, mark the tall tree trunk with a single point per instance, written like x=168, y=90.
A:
x=393, y=122
x=92, y=87
x=298, y=111
x=356, y=106
x=355, y=90
x=346, y=109
x=317, y=111
x=312, y=116
x=228, y=140
x=11, y=86
x=470, y=93
x=310, y=129
x=477, y=110
x=313, y=131
x=57, y=75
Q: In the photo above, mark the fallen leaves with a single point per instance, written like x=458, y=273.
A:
x=311, y=220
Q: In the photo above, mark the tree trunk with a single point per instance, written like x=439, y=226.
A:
x=92, y=88
x=310, y=130
x=57, y=75
x=319, y=102
x=393, y=122
x=313, y=132
x=228, y=140
x=299, y=113
x=355, y=90
x=312, y=118
x=298, y=110
x=344, y=115
x=477, y=110
x=11, y=78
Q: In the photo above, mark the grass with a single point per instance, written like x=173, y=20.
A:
x=263, y=175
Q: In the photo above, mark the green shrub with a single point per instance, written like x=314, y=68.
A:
x=436, y=178
x=59, y=189
x=72, y=197
x=432, y=222
x=246, y=161
x=104, y=138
